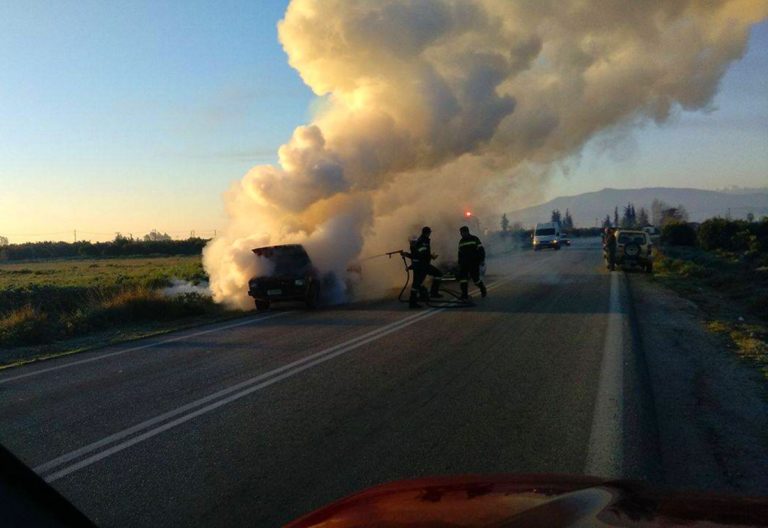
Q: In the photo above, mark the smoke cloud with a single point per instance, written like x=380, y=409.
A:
x=431, y=106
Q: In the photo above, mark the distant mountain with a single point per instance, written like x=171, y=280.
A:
x=735, y=189
x=590, y=207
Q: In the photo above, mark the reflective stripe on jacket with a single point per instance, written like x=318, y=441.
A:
x=471, y=250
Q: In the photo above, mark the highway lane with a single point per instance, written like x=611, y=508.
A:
x=256, y=423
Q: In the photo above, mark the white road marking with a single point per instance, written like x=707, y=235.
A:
x=253, y=385
x=170, y=414
x=142, y=347
x=249, y=386
x=605, y=457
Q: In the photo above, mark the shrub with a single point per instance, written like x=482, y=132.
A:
x=724, y=234
x=678, y=234
x=25, y=326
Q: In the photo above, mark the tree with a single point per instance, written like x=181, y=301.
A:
x=3, y=241
x=607, y=221
x=556, y=216
x=568, y=220
x=678, y=234
x=657, y=208
x=504, y=223
x=616, y=216
x=673, y=215
x=628, y=219
x=750, y=219
x=156, y=236
x=642, y=218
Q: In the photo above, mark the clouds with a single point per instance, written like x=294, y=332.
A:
x=416, y=90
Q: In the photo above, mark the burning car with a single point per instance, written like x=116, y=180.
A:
x=292, y=277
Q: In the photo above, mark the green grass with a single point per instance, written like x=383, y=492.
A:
x=46, y=304
x=150, y=272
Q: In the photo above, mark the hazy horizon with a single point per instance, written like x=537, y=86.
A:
x=141, y=118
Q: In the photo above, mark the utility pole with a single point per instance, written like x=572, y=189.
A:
x=75, y=236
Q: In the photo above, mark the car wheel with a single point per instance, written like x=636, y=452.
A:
x=313, y=297
x=262, y=305
x=557, y=248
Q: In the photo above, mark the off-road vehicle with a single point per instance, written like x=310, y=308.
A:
x=633, y=249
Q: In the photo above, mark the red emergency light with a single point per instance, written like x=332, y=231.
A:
x=468, y=214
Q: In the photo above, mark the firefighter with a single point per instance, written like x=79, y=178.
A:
x=421, y=257
x=471, y=257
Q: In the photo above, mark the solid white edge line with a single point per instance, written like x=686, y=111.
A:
x=605, y=457
x=319, y=357
x=251, y=320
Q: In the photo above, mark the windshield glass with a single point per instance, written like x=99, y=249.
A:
x=295, y=263
x=545, y=232
x=626, y=238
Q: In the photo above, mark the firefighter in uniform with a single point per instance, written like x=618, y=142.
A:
x=421, y=257
x=471, y=257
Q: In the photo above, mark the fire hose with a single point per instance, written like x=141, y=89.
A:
x=454, y=300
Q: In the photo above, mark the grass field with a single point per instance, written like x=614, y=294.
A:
x=150, y=272
x=45, y=305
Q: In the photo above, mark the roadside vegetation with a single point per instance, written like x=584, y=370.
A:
x=722, y=265
x=153, y=244
x=46, y=305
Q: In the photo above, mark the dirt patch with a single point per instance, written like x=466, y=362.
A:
x=711, y=405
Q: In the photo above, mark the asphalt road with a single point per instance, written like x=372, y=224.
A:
x=258, y=421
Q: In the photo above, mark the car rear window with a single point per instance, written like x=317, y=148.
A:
x=631, y=239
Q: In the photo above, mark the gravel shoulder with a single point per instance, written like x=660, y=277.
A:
x=711, y=406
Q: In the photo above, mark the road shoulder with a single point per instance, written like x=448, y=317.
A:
x=711, y=407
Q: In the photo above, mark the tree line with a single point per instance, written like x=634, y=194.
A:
x=720, y=234
x=121, y=246
x=660, y=215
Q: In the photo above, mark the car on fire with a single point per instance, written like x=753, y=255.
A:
x=290, y=277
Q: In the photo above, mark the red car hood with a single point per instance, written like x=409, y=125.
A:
x=532, y=500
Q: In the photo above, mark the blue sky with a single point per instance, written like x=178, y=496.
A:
x=140, y=116
x=711, y=150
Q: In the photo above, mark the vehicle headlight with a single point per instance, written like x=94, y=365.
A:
x=299, y=282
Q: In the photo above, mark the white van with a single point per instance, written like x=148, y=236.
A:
x=546, y=235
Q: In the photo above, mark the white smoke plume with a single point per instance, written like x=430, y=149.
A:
x=181, y=287
x=431, y=106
